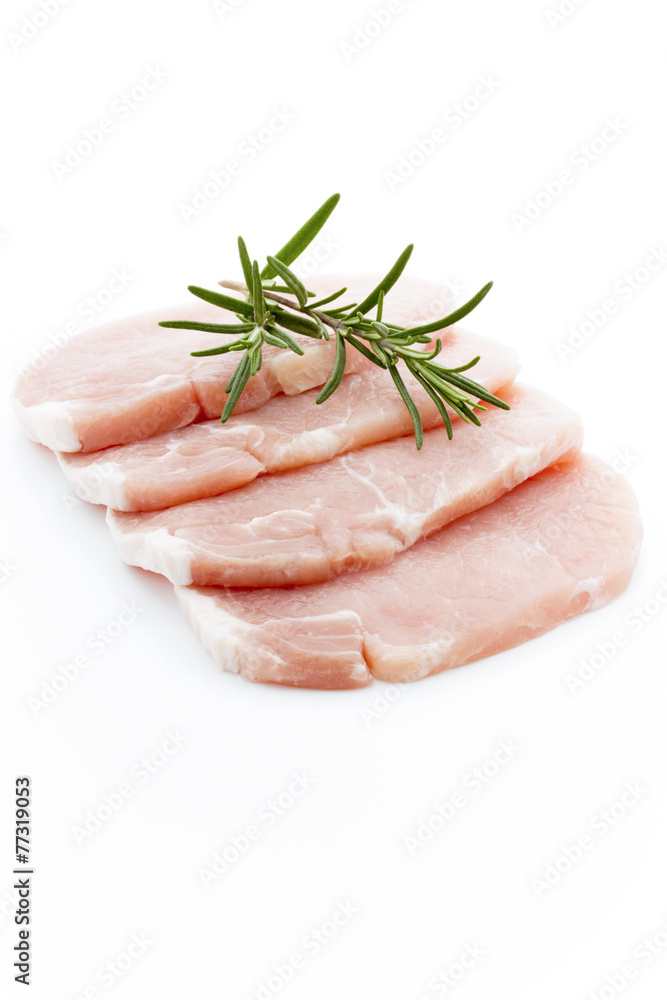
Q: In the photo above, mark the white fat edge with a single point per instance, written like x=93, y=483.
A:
x=269, y=559
x=307, y=448
x=519, y=462
x=301, y=379
x=594, y=587
x=360, y=670
x=528, y=460
x=220, y=633
x=112, y=490
x=299, y=374
x=50, y=424
x=173, y=440
x=157, y=551
x=99, y=482
x=525, y=460
x=294, y=373
x=161, y=552
x=385, y=658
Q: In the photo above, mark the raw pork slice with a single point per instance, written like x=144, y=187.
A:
x=560, y=544
x=131, y=379
x=356, y=511
x=208, y=458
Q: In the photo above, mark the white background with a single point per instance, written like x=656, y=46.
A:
x=375, y=777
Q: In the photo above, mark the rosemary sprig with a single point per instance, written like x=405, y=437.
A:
x=266, y=316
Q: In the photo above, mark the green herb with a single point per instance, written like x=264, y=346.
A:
x=266, y=316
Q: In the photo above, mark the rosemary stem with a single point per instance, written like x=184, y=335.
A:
x=335, y=324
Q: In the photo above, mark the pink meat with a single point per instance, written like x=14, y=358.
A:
x=356, y=511
x=131, y=379
x=209, y=458
x=562, y=543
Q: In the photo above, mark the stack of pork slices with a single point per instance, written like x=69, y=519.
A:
x=314, y=545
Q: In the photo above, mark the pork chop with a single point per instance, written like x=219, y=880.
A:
x=562, y=543
x=209, y=458
x=131, y=379
x=356, y=511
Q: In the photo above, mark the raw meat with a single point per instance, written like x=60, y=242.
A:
x=560, y=544
x=209, y=458
x=356, y=511
x=131, y=379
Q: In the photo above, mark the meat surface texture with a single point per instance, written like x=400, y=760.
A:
x=356, y=511
x=131, y=379
x=209, y=458
x=562, y=543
